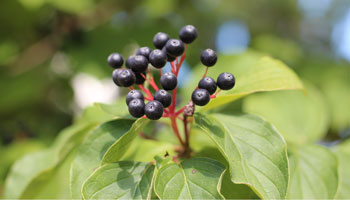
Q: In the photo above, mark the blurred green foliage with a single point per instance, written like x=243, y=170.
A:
x=44, y=44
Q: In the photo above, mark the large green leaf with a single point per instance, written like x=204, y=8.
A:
x=300, y=117
x=313, y=173
x=253, y=72
x=195, y=178
x=91, y=152
x=254, y=150
x=36, y=166
x=118, y=148
x=343, y=154
x=121, y=180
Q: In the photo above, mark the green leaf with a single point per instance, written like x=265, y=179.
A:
x=91, y=152
x=313, y=173
x=35, y=166
x=121, y=180
x=305, y=115
x=254, y=150
x=195, y=178
x=254, y=73
x=118, y=148
x=343, y=155
x=231, y=190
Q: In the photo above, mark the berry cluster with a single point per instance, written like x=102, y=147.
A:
x=163, y=103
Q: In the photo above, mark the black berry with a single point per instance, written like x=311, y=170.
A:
x=154, y=110
x=134, y=94
x=115, y=75
x=200, y=97
x=137, y=108
x=175, y=47
x=208, y=83
x=160, y=39
x=144, y=51
x=170, y=58
x=115, y=60
x=137, y=63
x=209, y=57
x=226, y=81
x=158, y=58
x=188, y=34
x=168, y=81
x=124, y=77
x=163, y=97
x=139, y=79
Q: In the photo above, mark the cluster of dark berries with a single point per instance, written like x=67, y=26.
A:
x=166, y=50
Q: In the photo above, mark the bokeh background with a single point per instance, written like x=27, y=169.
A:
x=53, y=54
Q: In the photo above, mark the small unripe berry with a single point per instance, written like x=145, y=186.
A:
x=158, y=58
x=160, y=39
x=154, y=110
x=188, y=34
x=208, y=83
x=168, y=81
x=124, y=77
x=226, y=81
x=134, y=94
x=136, y=108
x=115, y=60
x=139, y=79
x=209, y=57
x=175, y=47
x=137, y=63
x=144, y=51
x=200, y=97
x=163, y=97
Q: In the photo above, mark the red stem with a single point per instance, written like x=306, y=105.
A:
x=206, y=71
x=146, y=91
x=176, y=130
x=214, y=95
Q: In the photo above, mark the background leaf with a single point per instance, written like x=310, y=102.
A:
x=254, y=150
x=122, y=180
x=343, y=154
x=313, y=173
x=300, y=117
x=195, y=178
x=35, y=166
x=253, y=72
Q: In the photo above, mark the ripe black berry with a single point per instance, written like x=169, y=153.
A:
x=133, y=94
x=188, y=34
x=168, y=81
x=200, y=97
x=115, y=75
x=115, y=60
x=158, y=58
x=154, y=110
x=170, y=58
x=144, y=51
x=163, y=97
x=160, y=39
x=208, y=83
x=137, y=63
x=208, y=57
x=124, y=77
x=226, y=81
x=139, y=79
x=175, y=47
x=137, y=108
